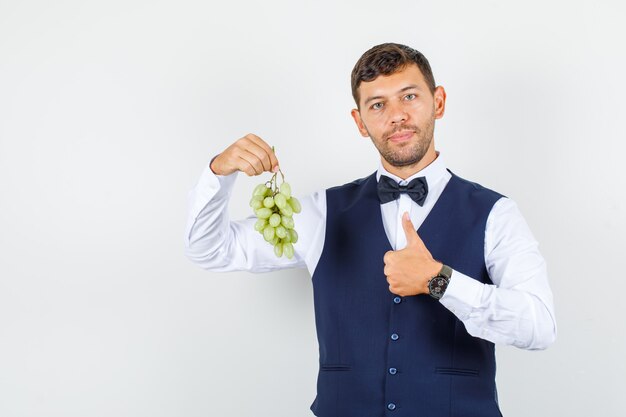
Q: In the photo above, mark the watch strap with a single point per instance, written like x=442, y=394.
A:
x=446, y=271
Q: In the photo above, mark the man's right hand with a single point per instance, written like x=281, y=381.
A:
x=250, y=154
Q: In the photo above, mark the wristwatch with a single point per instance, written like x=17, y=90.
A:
x=439, y=283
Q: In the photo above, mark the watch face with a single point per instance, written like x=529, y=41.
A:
x=437, y=286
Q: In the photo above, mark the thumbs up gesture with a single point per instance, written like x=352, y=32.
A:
x=408, y=270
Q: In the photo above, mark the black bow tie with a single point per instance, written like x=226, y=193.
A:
x=389, y=190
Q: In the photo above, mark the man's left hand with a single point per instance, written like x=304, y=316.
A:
x=408, y=270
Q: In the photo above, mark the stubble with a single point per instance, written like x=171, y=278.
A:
x=401, y=155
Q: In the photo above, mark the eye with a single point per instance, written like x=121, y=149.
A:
x=410, y=97
x=376, y=106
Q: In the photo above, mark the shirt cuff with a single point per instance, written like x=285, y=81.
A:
x=462, y=295
x=211, y=187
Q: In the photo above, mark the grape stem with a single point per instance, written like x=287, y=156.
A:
x=273, y=183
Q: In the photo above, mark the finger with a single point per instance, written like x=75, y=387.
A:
x=409, y=230
x=387, y=257
x=273, y=161
x=250, y=150
x=247, y=167
x=254, y=160
x=387, y=271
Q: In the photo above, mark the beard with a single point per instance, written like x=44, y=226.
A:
x=408, y=153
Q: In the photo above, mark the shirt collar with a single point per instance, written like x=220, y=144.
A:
x=433, y=172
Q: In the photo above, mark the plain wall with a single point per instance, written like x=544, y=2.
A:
x=110, y=111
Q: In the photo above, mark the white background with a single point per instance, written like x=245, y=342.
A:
x=110, y=110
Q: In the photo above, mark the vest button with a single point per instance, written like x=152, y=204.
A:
x=393, y=371
x=397, y=300
x=394, y=336
x=391, y=406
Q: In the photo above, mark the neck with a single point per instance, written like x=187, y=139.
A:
x=406, y=171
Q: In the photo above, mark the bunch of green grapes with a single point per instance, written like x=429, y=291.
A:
x=274, y=207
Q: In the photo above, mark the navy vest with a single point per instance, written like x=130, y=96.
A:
x=383, y=355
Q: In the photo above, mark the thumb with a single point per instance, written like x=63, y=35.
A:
x=409, y=230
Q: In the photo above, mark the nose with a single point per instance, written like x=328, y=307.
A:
x=398, y=114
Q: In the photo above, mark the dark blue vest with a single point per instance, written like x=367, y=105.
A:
x=382, y=355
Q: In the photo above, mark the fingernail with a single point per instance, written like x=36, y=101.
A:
x=406, y=215
x=275, y=169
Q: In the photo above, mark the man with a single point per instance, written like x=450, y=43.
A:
x=406, y=320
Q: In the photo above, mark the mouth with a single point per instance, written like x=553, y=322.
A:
x=402, y=136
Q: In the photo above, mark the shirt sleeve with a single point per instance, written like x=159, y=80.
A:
x=518, y=309
x=216, y=243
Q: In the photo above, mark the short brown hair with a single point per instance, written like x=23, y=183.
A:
x=386, y=59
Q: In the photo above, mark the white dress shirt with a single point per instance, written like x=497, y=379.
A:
x=516, y=310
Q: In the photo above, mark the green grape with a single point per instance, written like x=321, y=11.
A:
x=280, y=200
x=274, y=207
x=285, y=189
x=268, y=202
x=287, y=222
x=260, y=190
x=287, y=210
x=275, y=219
x=260, y=225
x=256, y=202
x=295, y=204
x=281, y=232
x=288, y=250
x=278, y=249
x=269, y=232
x=293, y=235
x=263, y=213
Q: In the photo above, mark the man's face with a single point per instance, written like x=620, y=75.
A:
x=398, y=112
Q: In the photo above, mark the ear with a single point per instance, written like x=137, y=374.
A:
x=440, y=102
x=356, y=115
